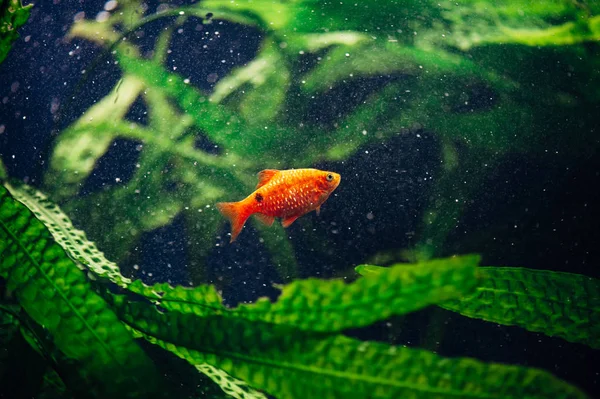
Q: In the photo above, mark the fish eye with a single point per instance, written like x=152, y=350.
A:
x=329, y=177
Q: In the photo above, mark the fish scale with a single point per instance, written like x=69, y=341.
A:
x=287, y=194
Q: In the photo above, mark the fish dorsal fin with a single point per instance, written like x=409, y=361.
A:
x=264, y=176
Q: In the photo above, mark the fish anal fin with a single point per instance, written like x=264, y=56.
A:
x=289, y=220
x=318, y=209
x=265, y=219
x=264, y=176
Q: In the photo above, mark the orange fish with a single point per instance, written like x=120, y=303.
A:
x=286, y=194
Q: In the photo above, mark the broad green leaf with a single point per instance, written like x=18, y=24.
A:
x=58, y=296
x=264, y=83
x=289, y=363
x=326, y=306
x=12, y=16
x=73, y=241
x=201, y=300
x=553, y=303
x=318, y=305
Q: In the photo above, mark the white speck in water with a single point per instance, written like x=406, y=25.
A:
x=370, y=216
x=347, y=54
x=186, y=81
x=364, y=132
x=136, y=267
x=118, y=180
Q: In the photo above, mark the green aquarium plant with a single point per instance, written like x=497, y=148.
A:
x=438, y=57
x=86, y=320
x=73, y=324
x=12, y=16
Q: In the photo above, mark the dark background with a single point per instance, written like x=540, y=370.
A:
x=539, y=211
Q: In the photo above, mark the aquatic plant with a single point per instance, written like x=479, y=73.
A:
x=77, y=326
x=446, y=70
x=12, y=16
x=61, y=298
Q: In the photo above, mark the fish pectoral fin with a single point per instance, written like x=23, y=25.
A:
x=318, y=209
x=265, y=219
x=264, y=176
x=289, y=220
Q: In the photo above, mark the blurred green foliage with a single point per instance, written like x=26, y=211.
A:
x=439, y=56
x=12, y=16
x=81, y=333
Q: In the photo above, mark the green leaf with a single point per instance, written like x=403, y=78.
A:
x=313, y=42
x=289, y=363
x=553, y=303
x=13, y=15
x=377, y=58
x=474, y=23
x=57, y=295
x=73, y=241
x=326, y=306
x=3, y=174
x=201, y=300
x=222, y=127
x=264, y=83
x=78, y=148
x=231, y=386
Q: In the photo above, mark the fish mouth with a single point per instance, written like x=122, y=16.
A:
x=336, y=180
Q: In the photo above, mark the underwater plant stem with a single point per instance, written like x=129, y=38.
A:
x=457, y=182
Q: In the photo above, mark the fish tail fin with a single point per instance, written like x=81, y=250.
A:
x=237, y=214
